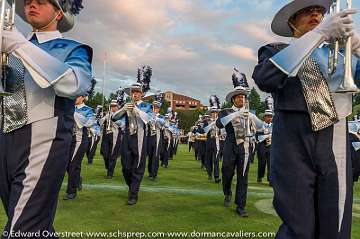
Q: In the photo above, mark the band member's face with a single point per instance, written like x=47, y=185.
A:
x=137, y=95
x=268, y=119
x=306, y=20
x=239, y=101
x=114, y=109
x=156, y=109
x=79, y=100
x=214, y=115
x=40, y=13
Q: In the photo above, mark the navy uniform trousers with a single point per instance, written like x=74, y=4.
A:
x=77, y=153
x=111, y=152
x=33, y=163
x=153, y=155
x=165, y=150
x=133, y=169
x=90, y=153
x=196, y=149
x=263, y=154
x=202, y=152
x=115, y=153
x=305, y=179
x=212, y=161
x=233, y=160
x=355, y=158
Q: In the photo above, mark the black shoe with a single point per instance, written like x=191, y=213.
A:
x=227, y=201
x=132, y=200
x=217, y=180
x=80, y=184
x=259, y=180
x=70, y=196
x=108, y=177
x=241, y=212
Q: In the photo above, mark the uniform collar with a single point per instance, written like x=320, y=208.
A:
x=80, y=106
x=236, y=109
x=43, y=37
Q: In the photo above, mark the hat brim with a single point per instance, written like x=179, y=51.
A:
x=235, y=92
x=66, y=23
x=128, y=90
x=280, y=25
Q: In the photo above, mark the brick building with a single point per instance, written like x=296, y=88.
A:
x=181, y=102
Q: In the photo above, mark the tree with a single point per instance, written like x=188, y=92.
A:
x=164, y=107
x=226, y=105
x=187, y=118
x=95, y=100
x=254, y=100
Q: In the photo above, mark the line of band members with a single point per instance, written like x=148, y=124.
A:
x=150, y=135
x=208, y=141
x=159, y=143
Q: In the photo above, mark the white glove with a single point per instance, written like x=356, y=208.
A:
x=12, y=40
x=128, y=106
x=337, y=25
x=355, y=41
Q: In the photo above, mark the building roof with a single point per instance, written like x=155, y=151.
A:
x=181, y=97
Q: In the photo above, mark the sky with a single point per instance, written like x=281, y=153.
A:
x=192, y=45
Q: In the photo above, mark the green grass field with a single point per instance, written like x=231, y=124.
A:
x=182, y=200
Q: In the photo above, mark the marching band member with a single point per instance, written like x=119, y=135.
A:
x=49, y=72
x=84, y=121
x=240, y=124
x=201, y=140
x=137, y=115
x=310, y=164
x=191, y=138
x=212, y=141
x=155, y=137
x=112, y=134
x=263, y=147
x=196, y=141
x=354, y=137
x=166, y=143
x=94, y=139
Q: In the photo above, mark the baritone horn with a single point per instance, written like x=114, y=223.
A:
x=348, y=84
x=7, y=21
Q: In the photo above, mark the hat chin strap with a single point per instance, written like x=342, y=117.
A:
x=47, y=25
x=295, y=29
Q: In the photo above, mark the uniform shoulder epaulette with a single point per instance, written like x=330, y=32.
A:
x=74, y=45
x=278, y=45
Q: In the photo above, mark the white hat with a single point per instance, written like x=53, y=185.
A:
x=241, y=86
x=70, y=8
x=280, y=25
x=113, y=103
x=268, y=113
x=136, y=86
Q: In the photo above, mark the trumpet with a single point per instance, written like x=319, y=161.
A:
x=348, y=84
x=7, y=21
x=108, y=125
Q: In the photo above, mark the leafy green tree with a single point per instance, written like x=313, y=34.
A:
x=95, y=100
x=254, y=100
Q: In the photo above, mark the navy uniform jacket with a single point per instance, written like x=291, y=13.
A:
x=287, y=91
